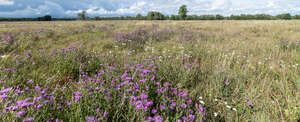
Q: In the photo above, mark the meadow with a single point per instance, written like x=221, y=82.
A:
x=150, y=71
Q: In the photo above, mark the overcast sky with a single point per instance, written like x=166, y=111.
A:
x=70, y=8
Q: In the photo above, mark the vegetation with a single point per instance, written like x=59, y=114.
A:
x=182, y=12
x=150, y=71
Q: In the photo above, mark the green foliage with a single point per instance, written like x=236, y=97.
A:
x=82, y=15
x=183, y=12
x=153, y=15
x=284, y=16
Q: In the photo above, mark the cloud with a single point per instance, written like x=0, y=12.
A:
x=6, y=2
x=70, y=8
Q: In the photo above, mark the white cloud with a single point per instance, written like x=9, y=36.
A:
x=67, y=8
x=6, y=2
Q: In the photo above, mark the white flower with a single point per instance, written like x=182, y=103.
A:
x=200, y=97
x=4, y=56
x=216, y=99
x=228, y=106
x=234, y=109
x=225, y=103
x=215, y=114
x=201, y=102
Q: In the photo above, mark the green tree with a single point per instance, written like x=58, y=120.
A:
x=284, y=16
x=82, y=15
x=182, y=12
x=173, y=17
x=153, y=15
x=139, y=16
x=97, y=18
x=219, y=17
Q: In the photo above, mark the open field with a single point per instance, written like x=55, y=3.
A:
x=150, y=71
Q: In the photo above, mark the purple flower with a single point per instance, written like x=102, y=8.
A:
x=153, y=111
x=39, y=106
x=179, y=120
x=77, y=93
x=57, y=120
x=77, y=96
x=37, y=88
x=158, y=119
x=28, y=119
x=143, y=96
x=14, y=108
x=191, y=116
x=104, y=114
x=226, y=83
x=162, y=107
x=183, y=94
x=149, y=119
x=21, y=113
x=148, y=103
x=250, y=103
x=30, y=81
x=3, y=96
x=184, y=118
x=5, y=90
x=183, y=105
x=90, y=119
x=152, y=78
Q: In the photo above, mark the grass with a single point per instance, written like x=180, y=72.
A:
x=101, y=71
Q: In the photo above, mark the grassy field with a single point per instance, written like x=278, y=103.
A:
x=150, y=71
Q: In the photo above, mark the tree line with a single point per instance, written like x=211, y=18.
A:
x=155, y=15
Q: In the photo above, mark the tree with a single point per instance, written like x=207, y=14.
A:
x=82, y=15
x=139, y=16
x=173, y=17
x=97, y=18
x=153, y=15
x=47, y=18
x=183, y=12
x=219, y=17
x=284, y=16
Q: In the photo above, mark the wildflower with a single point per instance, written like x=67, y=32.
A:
x=191, y=116
x=250, y=103
x=184, y=118
x=28, y=119
x=37, y=88
x=149, y=119
x=158, y=119
x=226, y=83
x=57, y=120
x=183, y=94
x=162, y=107
x=39, y=106
x=30, y=81
x=104, y=114
x=202, y=102
x=21, y=113
x=90, y=119
x=4, y=56
x=215, y=114
x=183, y=105
x=228, y=106
x=179, y=120
x=234, y=109
x=3, y=96
x=153, y=111
x=77, y=96
x=5, y=90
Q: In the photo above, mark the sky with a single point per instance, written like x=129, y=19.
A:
x=105, y=8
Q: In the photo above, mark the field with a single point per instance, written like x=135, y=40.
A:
x=150, y=71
